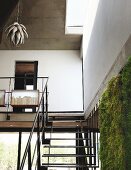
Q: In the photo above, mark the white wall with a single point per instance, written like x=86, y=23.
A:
x=111, y=30
x=64, y=69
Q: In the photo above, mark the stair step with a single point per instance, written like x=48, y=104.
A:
x=65, y=129
x=67, y=155
x=67, y=138
x=68, y=165
x=66, y=124
x=61, y=132
x=55, y=146
x=66, y=118
x=66, y=114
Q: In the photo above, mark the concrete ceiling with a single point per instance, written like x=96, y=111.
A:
x=45, y=23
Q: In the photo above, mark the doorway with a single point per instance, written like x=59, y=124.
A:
x=25, y=79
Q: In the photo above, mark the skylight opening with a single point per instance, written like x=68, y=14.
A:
x=75, y=16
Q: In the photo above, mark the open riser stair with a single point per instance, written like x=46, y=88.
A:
x=70, y=148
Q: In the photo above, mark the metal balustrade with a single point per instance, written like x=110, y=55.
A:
x=7, y=86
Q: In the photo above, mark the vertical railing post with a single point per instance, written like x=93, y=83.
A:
x=29, y=157
x=8, y=104
x=43, y=112
x=90, y=141
x=97, y=145
x=38, y=143
x=94, y=147
x=46, y=91
x=19, y=150
x=43, y=105
x=43, y=120
x=77, y=149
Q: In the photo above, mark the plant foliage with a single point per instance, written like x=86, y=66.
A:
x=126, y=101
x=115, y=122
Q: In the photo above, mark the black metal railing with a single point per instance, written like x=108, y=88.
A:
x=8, y=84
x=38, y=124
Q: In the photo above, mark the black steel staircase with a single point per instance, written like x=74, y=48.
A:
x=64, y=140
x=60, y=147
x=74, y=148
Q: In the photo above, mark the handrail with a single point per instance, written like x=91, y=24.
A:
x=21, y=77
x=34, y=152
x=32, y=129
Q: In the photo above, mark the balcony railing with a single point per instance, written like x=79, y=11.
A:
x=23, y=97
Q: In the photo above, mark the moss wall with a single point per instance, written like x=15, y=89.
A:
x=115, y=122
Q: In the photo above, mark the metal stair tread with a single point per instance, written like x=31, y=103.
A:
x=67, y=138
x=67, y=155
x=66, y=129
x=58, y=146
x=61, y=132
x=67, y=165
x=65, y=114
x=64, y=118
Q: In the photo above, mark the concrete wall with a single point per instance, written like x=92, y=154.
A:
x=64, y=69
x=112, y=28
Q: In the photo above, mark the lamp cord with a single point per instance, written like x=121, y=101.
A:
x=18, y=12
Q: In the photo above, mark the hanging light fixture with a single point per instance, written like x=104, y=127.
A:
x=17, y=32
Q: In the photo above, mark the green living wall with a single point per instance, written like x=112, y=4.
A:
x=115, y=122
